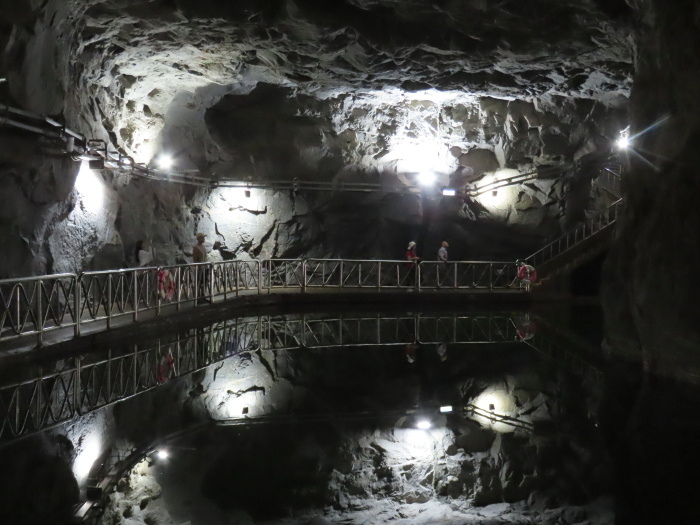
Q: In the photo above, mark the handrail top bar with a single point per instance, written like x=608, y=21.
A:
x=219, y=263
x=38, y=278
x=573, y=230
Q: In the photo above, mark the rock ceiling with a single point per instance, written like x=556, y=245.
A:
x=134, y=57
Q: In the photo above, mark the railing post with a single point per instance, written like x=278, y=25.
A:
x=77, y=295
x=109, y=300
x=40, y=286
x=135, y=299
x=136, y=370
x=178, y=281
x=77, y=386
x=210, y=271
x=303, y=275
x=379, y=276
x=196, y=285
x=491, y=276
x=342, y=268
x=108, y=393
x=418, y=277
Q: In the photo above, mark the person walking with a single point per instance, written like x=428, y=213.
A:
x=442, y=262
x=199, y=255
x=199, y=252
x=412, y=263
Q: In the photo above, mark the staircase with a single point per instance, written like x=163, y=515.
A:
x=585, y=242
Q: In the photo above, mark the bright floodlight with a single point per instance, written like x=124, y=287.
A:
x=446, y=409
x=423, y=424
x=449, y=192
x=426, y=179
x=623, y=143
x=165, y=162
x=162, y=454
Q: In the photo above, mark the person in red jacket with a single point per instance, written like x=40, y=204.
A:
x=526, y=275
x=412, y=261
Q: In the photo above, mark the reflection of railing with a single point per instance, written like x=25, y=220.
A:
x=587, y=229
x=88, y=384
x=559, y=354
x=494, y=417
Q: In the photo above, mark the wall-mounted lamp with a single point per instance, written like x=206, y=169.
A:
x=423, y=424
x=446, y=409
x=449, y=192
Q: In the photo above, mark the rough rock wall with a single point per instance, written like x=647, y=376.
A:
x=652, y=293
x=244, y=94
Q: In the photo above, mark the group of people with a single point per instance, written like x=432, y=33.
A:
x=526, y=274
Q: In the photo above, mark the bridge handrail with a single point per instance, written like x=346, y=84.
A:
x=581, y=232
x=37, y=305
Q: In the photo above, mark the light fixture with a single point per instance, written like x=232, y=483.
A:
x=449, y=192
x=446, y=409
x=623, y=142
x=162, y=454
x=426, y=179
x=165, y=162
x=423, y=424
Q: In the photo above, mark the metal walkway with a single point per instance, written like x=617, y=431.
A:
x=32, y=308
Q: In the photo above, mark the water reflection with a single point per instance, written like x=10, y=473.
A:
x=323, y=414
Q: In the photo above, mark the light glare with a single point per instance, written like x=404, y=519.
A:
x=165, y=162
x=623, y=143
x=426, y=179
x=162, y=454
x=424, y=424
x=91, y=188
x=449, y=192
x=86, y=458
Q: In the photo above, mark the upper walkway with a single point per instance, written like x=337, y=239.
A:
x=39, y=310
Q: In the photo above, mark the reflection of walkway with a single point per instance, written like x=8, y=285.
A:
x=564, y=347
x=95, y=381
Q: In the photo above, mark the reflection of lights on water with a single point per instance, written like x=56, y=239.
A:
x=89, y=453
x=239, y=406
x=499, y=403
x=90, y=186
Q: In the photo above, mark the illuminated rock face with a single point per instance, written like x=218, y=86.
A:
x=281, y=89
